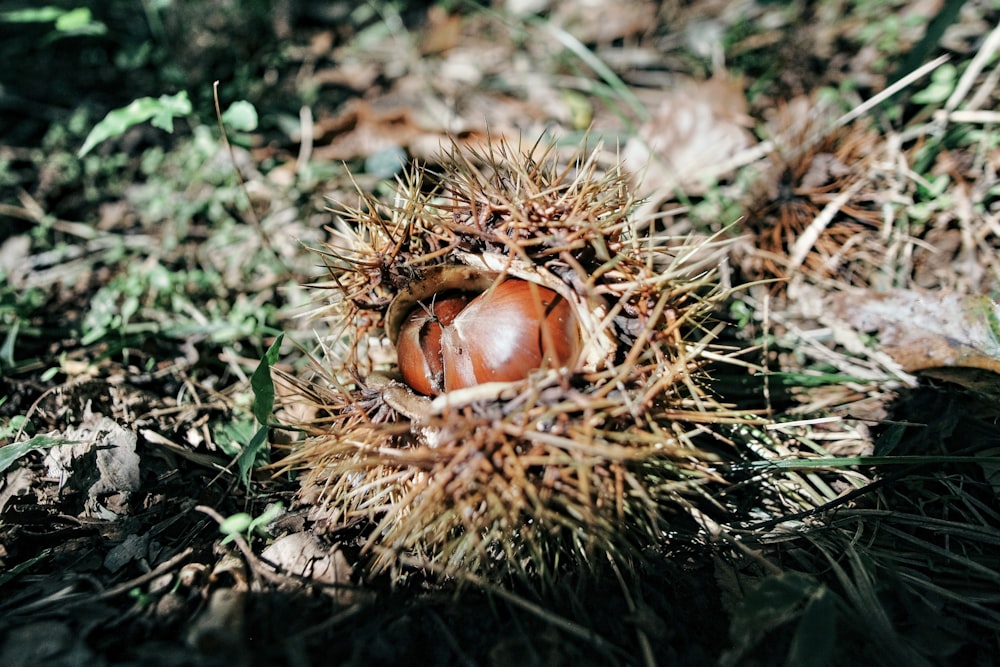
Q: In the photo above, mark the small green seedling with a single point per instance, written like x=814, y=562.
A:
x=160, y=111
x=243, y=523
x=11, y=453
x=263, y=403
x=66, y=22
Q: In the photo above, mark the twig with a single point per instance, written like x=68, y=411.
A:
x=306, y=144
x=45, y=394
x=968, y=78
x=897, y=86
x=114, y=591
x=982, y=117
x=254, y=563
x=160, y=569
x=239, y=172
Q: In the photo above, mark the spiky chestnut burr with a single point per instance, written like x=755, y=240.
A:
x=585, y=454
x=816, y=206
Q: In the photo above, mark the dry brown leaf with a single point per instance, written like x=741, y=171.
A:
x=443, y=31
x=104, y=462
x=697, y=126
x=220, y=630
x=14, y=483
x=363, y=129
x=302, y=554
x=366, y=128
x=936, y=334
x=595, y=21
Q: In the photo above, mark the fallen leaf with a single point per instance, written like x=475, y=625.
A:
x=133, y=547
x=933, y=333
x=603, y=22
x=104, y=463
x=301, y=554
x=363, y=129
x=696, y=127
x=220, y=631
x=15, y=483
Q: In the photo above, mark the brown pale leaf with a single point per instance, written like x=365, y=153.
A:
x=220, y=629
x=104, y=463
x=301, y=554
x=604, y=22
x=443, y=32
x=363, y=129
x=696, y=127
x=937, y=334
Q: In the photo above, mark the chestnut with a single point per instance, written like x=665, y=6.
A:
x=455, y=339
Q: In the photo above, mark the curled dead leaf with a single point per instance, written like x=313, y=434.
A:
x=936, y=334
x=104, y=462
x=695, y=128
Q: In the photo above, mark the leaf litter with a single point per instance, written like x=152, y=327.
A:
x=895, y=310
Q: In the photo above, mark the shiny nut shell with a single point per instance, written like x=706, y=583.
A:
x=482, y=271
x=599, y=344
x=435, y=279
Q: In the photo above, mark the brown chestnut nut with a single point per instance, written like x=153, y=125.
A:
x=454, y=341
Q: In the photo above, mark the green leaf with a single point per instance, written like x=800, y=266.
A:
x=16, y=571
x=68, y=23
x=262, y=385
x=79, y=21
x=13, y=425
x=250, y=454
x=230, y=435
x=11, y=453
x=7, y=347
x=36, y=15
x=243, y=523
x=241, y=116
x=259, y=525
x=814, y=639
x=160, y=111
x=942, y=84
x=235, y=524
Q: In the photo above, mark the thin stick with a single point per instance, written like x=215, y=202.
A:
x=802, y=422
x=239, y=172
x=163, y=567
x=121, y=588
x=872, y=102
x=976, y=65
x=306, y=144
x=982, y=117
x=251, y=558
